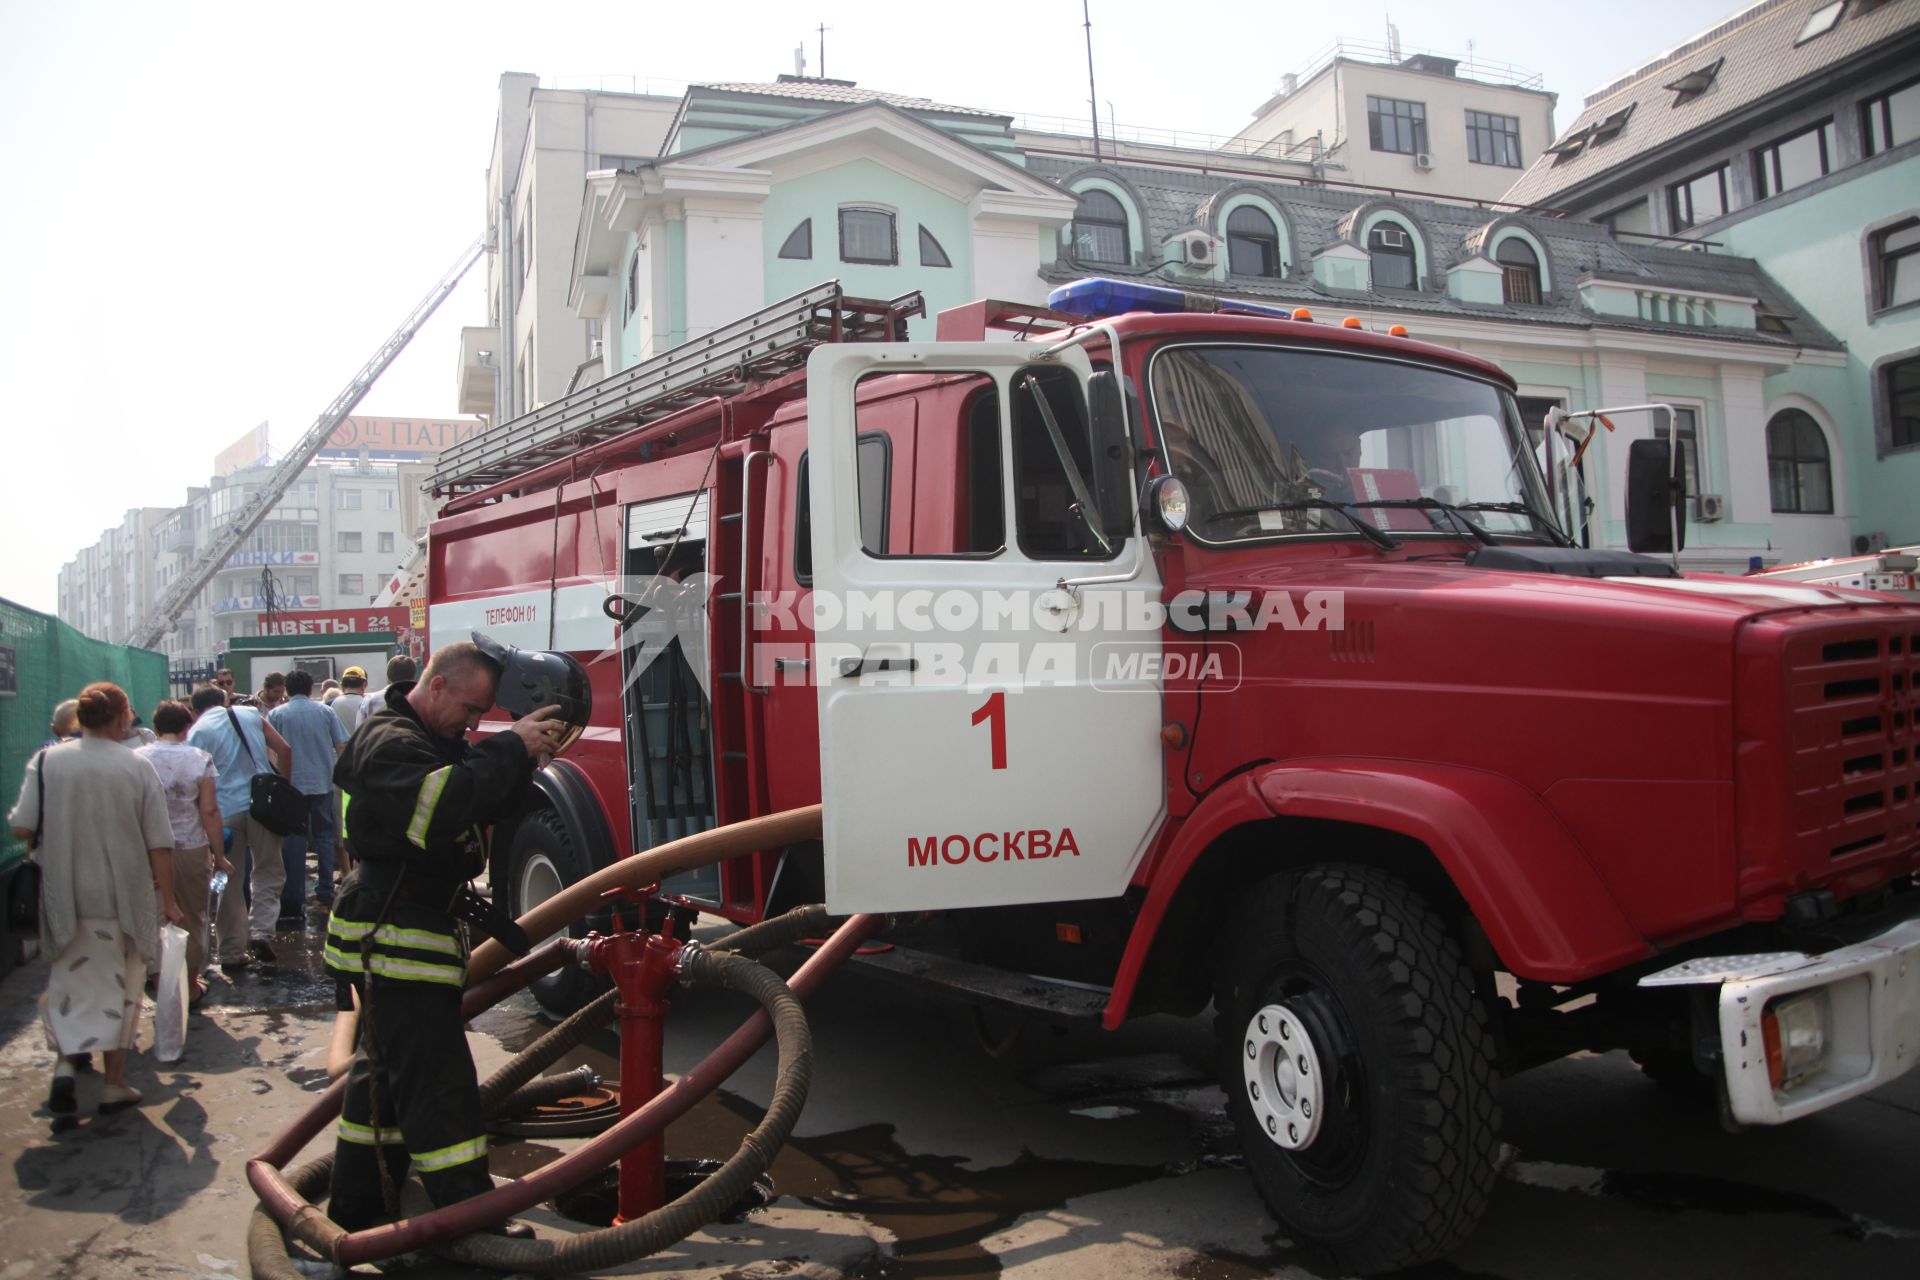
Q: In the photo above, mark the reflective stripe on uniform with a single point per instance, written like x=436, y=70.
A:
x=447, y=1157
x=391, y=967
x=436, y=782
x=367, y=1136
x=418, y=939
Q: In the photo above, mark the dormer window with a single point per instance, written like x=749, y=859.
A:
x=1519, y=270
x=1570, y=146
x=1695, y=82
x=1820, y=21
x=1612, y=127
x=1390, y=246
x=1100, y=229
x=1253, y=244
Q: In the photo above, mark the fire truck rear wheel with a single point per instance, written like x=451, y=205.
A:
x=541, y=861
x=1357, y=1067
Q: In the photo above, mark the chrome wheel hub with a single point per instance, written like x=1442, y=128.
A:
x=1282, y=1076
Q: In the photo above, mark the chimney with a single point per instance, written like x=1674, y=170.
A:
x=1288, y=83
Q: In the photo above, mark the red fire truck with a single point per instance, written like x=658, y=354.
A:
x=1172, y=654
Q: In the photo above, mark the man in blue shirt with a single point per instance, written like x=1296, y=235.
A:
x=254, y=849
x=316, y=736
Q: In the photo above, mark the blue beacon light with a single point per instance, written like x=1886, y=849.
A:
x=1099, y=296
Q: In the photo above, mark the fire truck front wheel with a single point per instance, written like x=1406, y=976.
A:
x=541, y=861
x=1357, y=1066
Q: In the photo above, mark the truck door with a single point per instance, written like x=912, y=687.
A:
x=971, y=754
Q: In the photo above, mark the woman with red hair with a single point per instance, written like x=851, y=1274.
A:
x=97, y=818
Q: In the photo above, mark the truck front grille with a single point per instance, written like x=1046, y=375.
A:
x=1853, y=776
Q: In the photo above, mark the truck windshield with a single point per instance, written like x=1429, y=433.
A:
x=1273, y=441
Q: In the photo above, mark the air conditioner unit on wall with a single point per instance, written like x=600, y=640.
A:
x=1197, y=249
x=1713, y=507
x=1423, y=160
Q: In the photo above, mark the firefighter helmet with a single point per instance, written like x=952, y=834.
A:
x=533, y=678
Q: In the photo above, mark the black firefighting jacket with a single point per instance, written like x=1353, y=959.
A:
x=424, y=800
x=417, y=808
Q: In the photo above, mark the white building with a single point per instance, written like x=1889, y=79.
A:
x=545, y=142
x=1423, y=124
x=332, y=542
x=106, y=588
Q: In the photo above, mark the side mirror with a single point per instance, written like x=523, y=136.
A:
x=1111, y=454
x=1656, y=499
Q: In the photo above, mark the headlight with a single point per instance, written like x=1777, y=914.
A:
x=1167, y=499
x=1795, y=1030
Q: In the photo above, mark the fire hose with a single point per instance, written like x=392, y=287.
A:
x=285, y=1199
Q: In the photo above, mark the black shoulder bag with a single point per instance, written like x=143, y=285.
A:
x=274, y=803
x=23, y=896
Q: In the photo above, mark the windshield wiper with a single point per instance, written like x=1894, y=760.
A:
x=1366, y=528
x=1554, y=535
x=1452, y=513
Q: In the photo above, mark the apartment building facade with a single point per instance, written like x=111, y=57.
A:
x=1788, y=135
x=546, y=140
x=1419, y=123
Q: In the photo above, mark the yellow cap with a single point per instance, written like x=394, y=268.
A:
x=354, y=673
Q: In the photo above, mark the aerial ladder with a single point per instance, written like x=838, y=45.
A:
x=227, y=540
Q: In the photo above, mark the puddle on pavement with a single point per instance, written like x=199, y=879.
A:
x=295, y=981
x=936, y=1208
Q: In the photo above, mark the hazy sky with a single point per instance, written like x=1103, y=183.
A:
x=214, y=213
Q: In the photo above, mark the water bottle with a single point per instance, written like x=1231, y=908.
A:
x=219, y=882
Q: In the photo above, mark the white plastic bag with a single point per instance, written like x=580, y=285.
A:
x=170, y=1000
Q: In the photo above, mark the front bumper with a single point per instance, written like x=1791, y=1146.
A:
x=1873, y=993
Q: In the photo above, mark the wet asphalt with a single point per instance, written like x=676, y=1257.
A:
x=921, y=1156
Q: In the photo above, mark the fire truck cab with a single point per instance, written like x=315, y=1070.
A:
x=1159, y=660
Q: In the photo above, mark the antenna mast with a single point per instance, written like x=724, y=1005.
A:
x=1093, y=98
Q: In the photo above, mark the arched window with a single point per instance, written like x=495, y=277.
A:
x=866, y=235
x=1797, y=463
x=1253, y=244
x=1519, y=270
x=1390, y=245
x=1100, y=229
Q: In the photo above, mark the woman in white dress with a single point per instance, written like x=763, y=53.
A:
x=104, y=846
x=187, y=777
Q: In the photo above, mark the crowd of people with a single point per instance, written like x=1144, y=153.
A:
x=135, y=826
x=132, y=840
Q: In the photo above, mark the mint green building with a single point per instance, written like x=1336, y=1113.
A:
x=1788, y=135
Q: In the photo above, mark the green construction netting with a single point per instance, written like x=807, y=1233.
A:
x=49, y=662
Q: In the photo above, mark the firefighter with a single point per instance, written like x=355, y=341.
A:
x=419, y=798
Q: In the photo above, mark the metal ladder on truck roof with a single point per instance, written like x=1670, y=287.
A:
x=754, y=348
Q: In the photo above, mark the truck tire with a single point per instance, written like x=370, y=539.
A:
x=1357, y=1067
x=541, y=861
